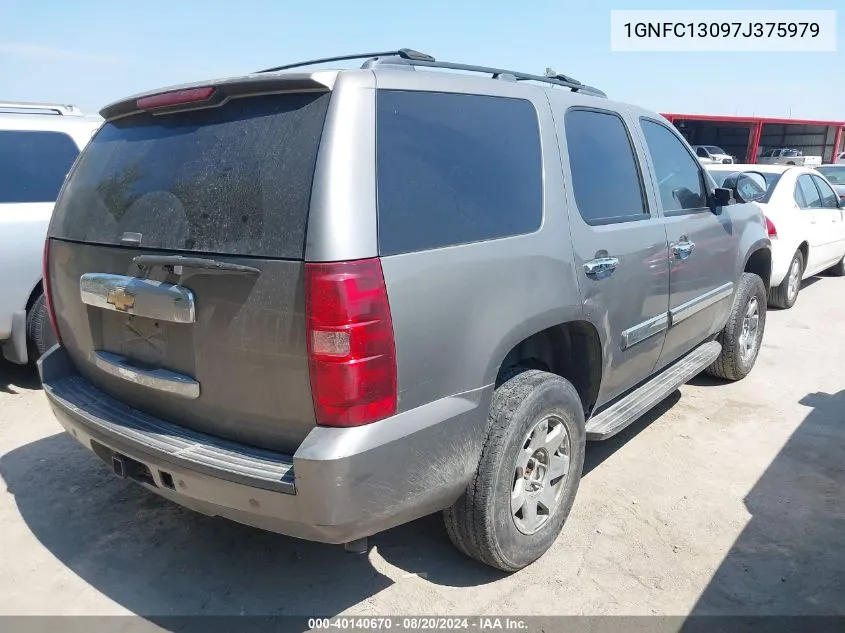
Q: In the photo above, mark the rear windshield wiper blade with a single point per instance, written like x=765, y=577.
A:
x=171, y=261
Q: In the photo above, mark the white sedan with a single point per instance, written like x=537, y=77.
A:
x=805, y=220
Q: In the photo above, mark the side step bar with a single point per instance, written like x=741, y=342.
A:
x=625, y=411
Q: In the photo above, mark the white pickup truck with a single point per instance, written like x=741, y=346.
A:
x=785, y=156
x=38, y=145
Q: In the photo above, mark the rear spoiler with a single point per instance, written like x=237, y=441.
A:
x=217, y=92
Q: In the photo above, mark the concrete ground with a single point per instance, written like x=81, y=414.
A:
x=727, y=499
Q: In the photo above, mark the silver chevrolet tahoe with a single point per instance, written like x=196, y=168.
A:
x=327, y=303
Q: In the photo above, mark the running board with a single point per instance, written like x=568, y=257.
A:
x=622, y=413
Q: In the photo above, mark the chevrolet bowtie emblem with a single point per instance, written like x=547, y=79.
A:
x=120, y=299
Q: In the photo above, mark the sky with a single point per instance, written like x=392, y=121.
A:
x=92, y=52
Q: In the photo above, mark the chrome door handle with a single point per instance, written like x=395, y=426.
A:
x=601, y=267
x=683, y=250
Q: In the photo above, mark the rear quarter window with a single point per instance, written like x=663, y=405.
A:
x=233, y=180
x=33, y=165
x=606, y=179
x=455, y=169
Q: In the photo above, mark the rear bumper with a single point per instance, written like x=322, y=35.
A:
x=340, y=485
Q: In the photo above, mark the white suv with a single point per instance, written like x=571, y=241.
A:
x=38, y=145
x=710, y=154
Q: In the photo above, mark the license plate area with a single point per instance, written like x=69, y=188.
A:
x=145, y=343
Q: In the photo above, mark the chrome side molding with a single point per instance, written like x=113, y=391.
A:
x=645, y=330
x=661, y=322
x=159, y=379
x=139, y=297
x=686, y=310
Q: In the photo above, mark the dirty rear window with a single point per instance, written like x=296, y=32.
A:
x=234, y=179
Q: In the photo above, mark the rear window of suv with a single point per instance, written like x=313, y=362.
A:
x=33, y=165
x=455, y=169
x=233, y=180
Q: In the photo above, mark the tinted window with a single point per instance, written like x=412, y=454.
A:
x=771, y=180
x=605, y=178
x=715, y=150
x=33, y=165
x=829, y=198
x=234, y=179
x=719, y=177
x=835, y=174
x=701, y=152
x=455, y=169
x=679, y=178
x=809, y=195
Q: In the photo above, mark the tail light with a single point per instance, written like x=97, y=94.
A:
x=770, y=229
x=48, y=291
x=351, y=351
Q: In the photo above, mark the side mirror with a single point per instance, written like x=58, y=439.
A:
x=746, y=186
x=722, y=197
x=751, y=187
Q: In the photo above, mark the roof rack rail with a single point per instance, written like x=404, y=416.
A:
x=30, y=107
x=556, y=79
x=410, y=57
x=405, y=53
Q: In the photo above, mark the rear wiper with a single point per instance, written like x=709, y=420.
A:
x=172, y=261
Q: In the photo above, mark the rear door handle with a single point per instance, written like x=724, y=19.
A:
x=601, y=267
x=160, y=379
x=683, y=250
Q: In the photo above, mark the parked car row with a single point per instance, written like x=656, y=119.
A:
x=327, y=303
x=804, y=219
x=713, y=154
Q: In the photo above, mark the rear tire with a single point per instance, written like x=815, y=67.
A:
x=785, y=295
x=528, y=474
x=39, y=332
x=743, y=333
x=838, y=269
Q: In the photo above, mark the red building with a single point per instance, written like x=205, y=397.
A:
x=748, y=137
